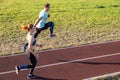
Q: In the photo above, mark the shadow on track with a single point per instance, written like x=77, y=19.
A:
x=44, y=78
x=92, y=63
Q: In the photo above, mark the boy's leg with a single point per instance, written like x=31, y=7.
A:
x=26, y=44
x=34, y=42
x=47, y=25
x=38, y=30
x=51, y=25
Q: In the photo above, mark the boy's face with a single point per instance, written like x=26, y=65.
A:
x=47, y=8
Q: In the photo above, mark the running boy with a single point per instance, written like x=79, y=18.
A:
x=41, y=24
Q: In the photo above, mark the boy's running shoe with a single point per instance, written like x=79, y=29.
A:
x=52, y=35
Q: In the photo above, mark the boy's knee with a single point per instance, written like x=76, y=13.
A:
x=34, y=42
x=51, y=23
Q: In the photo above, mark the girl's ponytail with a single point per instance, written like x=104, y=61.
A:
x=24, y=28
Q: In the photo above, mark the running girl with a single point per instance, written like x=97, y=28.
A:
x=30, y=51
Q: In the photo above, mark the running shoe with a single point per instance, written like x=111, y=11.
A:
x=24, y=48
x=31, y=76
x=17, y=69
x=52, y=35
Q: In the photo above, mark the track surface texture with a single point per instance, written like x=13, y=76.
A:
x=75, y=63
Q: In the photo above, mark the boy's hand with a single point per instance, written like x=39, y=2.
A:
x=48, y=15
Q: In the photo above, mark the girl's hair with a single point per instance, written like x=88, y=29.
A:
x=25, y=28
x=30, y=26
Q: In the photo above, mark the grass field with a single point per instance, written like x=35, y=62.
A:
x=113, y=77
x=77, y=22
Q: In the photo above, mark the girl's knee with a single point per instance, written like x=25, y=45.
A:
x=34, y=64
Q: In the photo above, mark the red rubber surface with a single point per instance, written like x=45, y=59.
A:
x=72, y=71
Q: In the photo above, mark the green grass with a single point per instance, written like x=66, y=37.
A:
x=77, y=22
x=113, y=77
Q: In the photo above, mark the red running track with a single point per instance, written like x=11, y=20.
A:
x=92, y=60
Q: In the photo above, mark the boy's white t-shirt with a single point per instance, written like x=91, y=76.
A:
x=44, y=16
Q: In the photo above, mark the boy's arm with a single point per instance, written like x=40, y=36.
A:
x=37, y=21
x=48, y=15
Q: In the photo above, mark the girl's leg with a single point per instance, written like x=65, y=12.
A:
x=25, y=66
x=18, y=68
x=33, y=61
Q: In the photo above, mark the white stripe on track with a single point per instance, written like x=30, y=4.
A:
x=61, y=63
x=63, y=48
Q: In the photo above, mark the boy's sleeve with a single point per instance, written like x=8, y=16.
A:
x=41, y=14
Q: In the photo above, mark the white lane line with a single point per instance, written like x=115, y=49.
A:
x=7, y=72
x=63, y=48
x=102, y=76
x=61, y=63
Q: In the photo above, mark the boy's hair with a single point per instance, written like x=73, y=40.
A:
x=47, y=5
